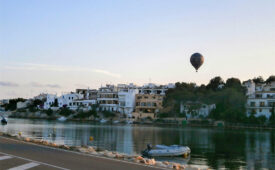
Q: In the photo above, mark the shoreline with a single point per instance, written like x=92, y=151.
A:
x=226, y=126
x=105, y=153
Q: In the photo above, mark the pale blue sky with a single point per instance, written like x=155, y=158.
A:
x=59, y=45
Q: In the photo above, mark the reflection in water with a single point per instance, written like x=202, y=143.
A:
x=216, y=148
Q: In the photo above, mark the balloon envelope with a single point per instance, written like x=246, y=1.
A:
x=196, y=60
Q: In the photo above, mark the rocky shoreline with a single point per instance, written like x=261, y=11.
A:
x=104, y=153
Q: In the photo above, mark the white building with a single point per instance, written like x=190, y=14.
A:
x=107, y=98
x=50, y=100
x=260, y=98
x=196, y=109
x=67, y=100
x=23, y=105
x=155, y=89
x=126, y=99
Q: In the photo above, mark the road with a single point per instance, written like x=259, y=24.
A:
x=19, y=155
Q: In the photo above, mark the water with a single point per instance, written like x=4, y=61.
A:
x=214, y=148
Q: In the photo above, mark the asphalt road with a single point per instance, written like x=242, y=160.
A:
x=18, y=155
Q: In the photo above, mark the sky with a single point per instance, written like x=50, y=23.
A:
x=57, y=46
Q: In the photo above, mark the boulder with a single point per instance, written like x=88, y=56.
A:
x=109, y=155
x=91, y=149
x=176, y=166
x=166, y=163
x=150, y=161
x=160, y=164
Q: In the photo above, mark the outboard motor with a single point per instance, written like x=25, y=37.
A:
x=145, y=152
x=149, y=147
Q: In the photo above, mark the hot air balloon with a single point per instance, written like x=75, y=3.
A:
x=196, y=60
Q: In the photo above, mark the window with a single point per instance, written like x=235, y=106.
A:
x=252, y=104
x=262, y=104
x=260, y=110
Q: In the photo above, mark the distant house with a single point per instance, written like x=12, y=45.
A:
x=23, y=105
x=68, y=100
x=196, y=109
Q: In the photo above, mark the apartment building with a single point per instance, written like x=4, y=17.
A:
x=260, y=98
x=107, y=98
x=88, y=94
x=147, y=105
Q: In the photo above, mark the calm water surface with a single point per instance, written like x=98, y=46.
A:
x=215, y=148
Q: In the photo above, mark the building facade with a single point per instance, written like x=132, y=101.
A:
x=148, y=105
x=126, y=99
x=260, y=98
x=107, y=98
x=67, y=100
x=51, y=99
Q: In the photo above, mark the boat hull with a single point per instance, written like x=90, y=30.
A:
x=166, y=151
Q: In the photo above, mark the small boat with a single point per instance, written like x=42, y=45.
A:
x=163, y=150
x=62, y=119
x=4, y=121
x=103, y=121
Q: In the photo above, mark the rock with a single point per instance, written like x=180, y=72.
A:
x=109, y=155
x=64, y=147
x=83, y=150
x=54, y=145
x=27, y=139
x=91, y=149
x=119, y=156
x=176, y=166
x=150, y=161
x=143, y=161
x=160, y=164
x=181, y=166
x=139, y=158
x=191, y=168
x=166, y=163
x=136, y=161
x=170, y=166
x=45, y=142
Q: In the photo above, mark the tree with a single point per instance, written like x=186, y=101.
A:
x=64, y=111
x=258, y=80
x=49, y=112
x=272, y=116
x=270, y=79
x=12, y=105
x=233, y=82
x=215, y=83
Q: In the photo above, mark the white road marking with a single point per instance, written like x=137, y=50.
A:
x=41, y=163
x=4, y=157
x=25, y=166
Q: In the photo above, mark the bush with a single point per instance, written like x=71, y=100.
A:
x=49, y=112
x=108, y=114
x=65, y=111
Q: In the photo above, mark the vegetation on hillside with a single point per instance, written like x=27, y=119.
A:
x=229, y=97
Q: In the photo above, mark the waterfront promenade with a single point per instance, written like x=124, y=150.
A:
x=17, y=155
